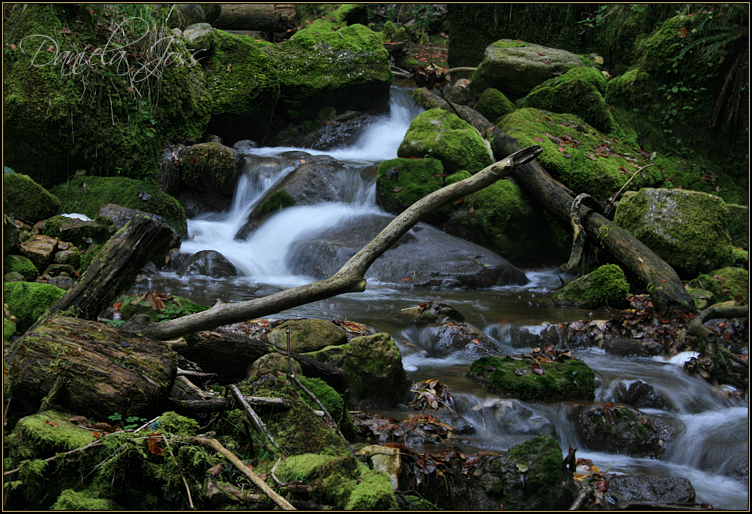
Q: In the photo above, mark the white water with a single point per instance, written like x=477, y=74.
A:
x=712, y=445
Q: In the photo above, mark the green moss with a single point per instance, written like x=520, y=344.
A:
x=578, y=167
x=22, y=265
x=9, y=328
x=209, y=163
x=333, y=402
x=740, y=258
x=42, y=435
x=27, y=200
x=577, y=97
x=607, y=285
x=82, y=500
x=586, y=74
x=276, y=202
x=89, y=256
x=444, y=136
x=373, y=363
x=687, y=229
x=493, y=104
x=372, y=492
x=29, y=300
x=725, y=283
x=402, y=182
x=307, y=335
x=543, y=486
x=569, y=381
x=121, y=191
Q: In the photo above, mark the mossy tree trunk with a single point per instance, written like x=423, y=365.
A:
x=666, y=288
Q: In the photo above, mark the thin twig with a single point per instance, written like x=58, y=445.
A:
x=185, y=482
x=96, y=442
x=253, y=416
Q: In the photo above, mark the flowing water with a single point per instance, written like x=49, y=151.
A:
x=712, y=443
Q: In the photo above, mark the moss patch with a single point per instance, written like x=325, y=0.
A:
x=567, y=381
x=121, y=191
x=607, y=285
x=29, y=300
x=444, y=136
x=725, y=283
x=493, y=103
x=575, y=97
x=402, y=182
x=25, y=199
x=209, y=163
x=276, y=202
x=22, y=265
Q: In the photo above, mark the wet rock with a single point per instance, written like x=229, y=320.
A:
x=208, y=263
x=79, y=232
x=638, y=394
x=245, y=146
x=272, y=362
x=627, y=347
x=54, y=270
x=453, y=337
x=40, y=249
x=622, y=430
x=70, y=257
x=653, y=489
x=209, y=174
x=306, y=335
x=63, y=282
x=342, y=130
x=422, y=257
x=521, y=378
x=607, y=285
x=512, y=417
x=432, y=312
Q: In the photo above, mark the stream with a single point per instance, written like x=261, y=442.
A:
x=712, y=446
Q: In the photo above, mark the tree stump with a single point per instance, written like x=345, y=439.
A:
x=93, y=369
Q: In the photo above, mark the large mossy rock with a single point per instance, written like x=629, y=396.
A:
x=620, y=429
x=99, y=191
x=724, y=284
x=25, y=199
x=402, y=182
x=515, y=67
x=530, y=476
x=570, y=380
x=606, y=285
x=444, y=136
x=29, y=300
x=21, y=264
x=103, y=124
x=244, y=85
x=79, y=232
x=493, y=103
x=575, y=97
x=687, y=229
x=307, y=335
x=347, y=69
x=373, y=368
x=579, y=156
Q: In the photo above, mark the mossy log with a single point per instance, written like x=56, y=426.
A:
x=112, y=271
x=262, y=17
x=667, y=289
x=91, y=368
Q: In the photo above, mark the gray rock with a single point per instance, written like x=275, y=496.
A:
x=638, y=394
x=208, y=263
x=641, y=488
x=122, y=215
x=625, y=347
x=195, y=31
x=515, y=70
x=424, y=256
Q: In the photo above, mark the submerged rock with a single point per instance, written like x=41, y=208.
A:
x=209, y=263
x=422, y=257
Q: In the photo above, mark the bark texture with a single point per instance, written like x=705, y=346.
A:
x=261, y=17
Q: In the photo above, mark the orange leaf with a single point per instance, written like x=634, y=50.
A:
x=50, y=422
x=153, y=443
x=96, y=434
x=405, y=279
x=682, y=32
x=540, y=53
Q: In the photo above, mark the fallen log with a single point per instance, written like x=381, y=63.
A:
x=666, y=288
x=99, y=370
x=350, y=277
x=112, y=271
x=261, y=17
x=223, y=404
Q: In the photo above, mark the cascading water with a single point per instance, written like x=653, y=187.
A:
x=710, y=450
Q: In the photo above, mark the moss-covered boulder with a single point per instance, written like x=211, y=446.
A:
x=22, y=265
x=725, y=284
x=24, y=198
x=606, y=285
x=738, y=225
x=576, y=97
x=79, y=232
x=319, y=66
x=28, y=300
x=501, y=217
x=70, y=499
x=86, y=195
x=530, y=476
x=444, y=136
x=307, y=335
x=580, y=157
x=343, y=482
x=243, y=83
x=11, y=236
x=515, y=67
x=372, y=365
x=211, y=165
x=687, y=229
x=622, y=430
x=493, y=104
x=585, y=74
x=112, y=123
x=402, y=182
x=570, y=380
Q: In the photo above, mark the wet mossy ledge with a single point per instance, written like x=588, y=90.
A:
x=86, y=195
x=605, y=286
x=570, y=380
